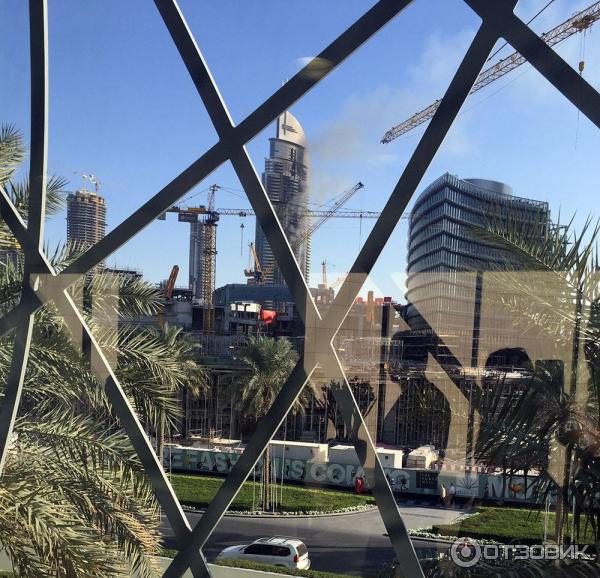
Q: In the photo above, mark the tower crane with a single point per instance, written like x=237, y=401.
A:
x=90, y=178
x=167, y=294
x=203, y=221
x=579, y=22
x=257, y=267
x=260, y=274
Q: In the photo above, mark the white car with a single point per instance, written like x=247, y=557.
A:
x=278, y=550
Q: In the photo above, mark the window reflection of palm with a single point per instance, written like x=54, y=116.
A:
x=423, y=407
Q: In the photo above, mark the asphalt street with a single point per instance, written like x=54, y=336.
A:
x=353, y=543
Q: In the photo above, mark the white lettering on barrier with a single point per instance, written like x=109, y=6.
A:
x=468, y=485
x=318, y=472
x=336, y=474
x=222, y=463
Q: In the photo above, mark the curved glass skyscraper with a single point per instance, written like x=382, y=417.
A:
x=286, y=181
x=443, y=242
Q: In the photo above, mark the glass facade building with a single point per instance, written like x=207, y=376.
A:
x=446, y=239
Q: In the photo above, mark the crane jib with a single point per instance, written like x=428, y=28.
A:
x=577, y=23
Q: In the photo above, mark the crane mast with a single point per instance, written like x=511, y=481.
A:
x=580, y=22
x=207, y=246
x=203, y=222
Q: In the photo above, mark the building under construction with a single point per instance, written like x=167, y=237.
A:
x=408, y=397
x=86, y=217
x=286, y=181
x=203, y=251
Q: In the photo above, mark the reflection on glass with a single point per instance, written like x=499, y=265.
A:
x=450, y=427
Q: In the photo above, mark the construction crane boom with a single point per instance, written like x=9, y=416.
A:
x=580, y=22
x=340, y=214
x=168, y=293
x=203, y=221
x=326, y=215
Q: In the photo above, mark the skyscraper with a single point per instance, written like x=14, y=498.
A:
x=444, y=247
x=458, y=315
x=86, y=217
x=285, y=179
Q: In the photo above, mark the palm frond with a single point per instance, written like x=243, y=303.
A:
x=12, y=151
x=267, y=364
x=55, y=194
x=74, y=497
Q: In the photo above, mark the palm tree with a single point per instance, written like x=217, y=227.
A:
x=550, y=413
x=74, y=497
x=267, y=363
x=147, y=355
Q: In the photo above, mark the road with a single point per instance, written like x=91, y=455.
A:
x=352, y=543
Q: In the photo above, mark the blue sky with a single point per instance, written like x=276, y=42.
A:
x=123, y=108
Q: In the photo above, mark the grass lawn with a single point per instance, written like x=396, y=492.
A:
x=198, y=491
x=505, y=525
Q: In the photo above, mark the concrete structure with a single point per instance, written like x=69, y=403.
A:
x=128, y=273
x=422, y=457
x=241, y=305
x=299, y=450
x=345, y=454
x=271, y=296
x=202, y=258
x=242, y=318
x=286, y=180
x=361, y=346
x=86, y=217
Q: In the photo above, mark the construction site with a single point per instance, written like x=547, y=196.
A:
x=220, y=319
x=379, y=355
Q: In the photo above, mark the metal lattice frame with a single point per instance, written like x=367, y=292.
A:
x=42, y=284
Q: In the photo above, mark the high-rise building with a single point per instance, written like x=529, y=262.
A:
x=458, y=309
x=202, y=259
x=285, y=179
x=86, y=217
x=445, y=249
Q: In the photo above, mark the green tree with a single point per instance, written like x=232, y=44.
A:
x=74, y=498
x=267, y=363
x=147, y=356
x=558, y=299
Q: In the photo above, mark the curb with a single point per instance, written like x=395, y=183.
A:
x=436, y=540
x=285, y=516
